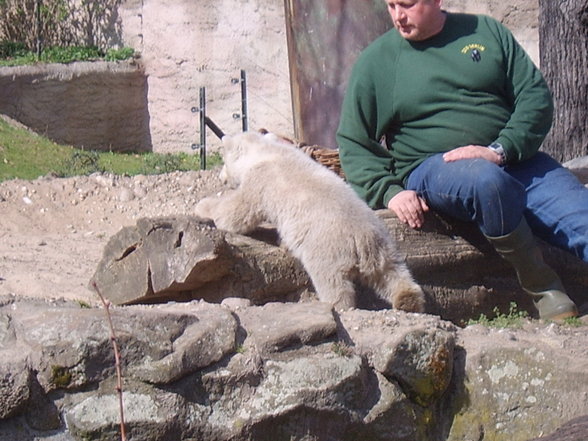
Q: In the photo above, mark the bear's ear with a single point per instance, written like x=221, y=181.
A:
x=272, y=139
x=228, y=143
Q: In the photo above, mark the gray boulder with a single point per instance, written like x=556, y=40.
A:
x=277, y=326
x=515, y=382
x=415, y=352
x=70, y=348
x=574, y=430
x=149, y=414
x=15, y=383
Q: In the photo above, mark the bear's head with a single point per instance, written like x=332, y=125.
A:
x=240, y=153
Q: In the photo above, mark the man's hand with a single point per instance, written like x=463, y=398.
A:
x=472, y=152
x=409, y=207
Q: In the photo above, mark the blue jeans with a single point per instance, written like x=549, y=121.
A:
x=553, y=201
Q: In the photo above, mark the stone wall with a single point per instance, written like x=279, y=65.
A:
x=282, y=372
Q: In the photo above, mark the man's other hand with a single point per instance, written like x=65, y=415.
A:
x=409, y=207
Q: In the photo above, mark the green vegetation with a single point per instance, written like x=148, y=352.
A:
x=84, y=305
x=25, y=155
x=16, y=54
x=573, y=322
x=514, y=318
x=342, y=349
x=11, y=49
x=60, y=376
x=63, y=30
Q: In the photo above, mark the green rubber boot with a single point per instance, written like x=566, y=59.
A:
x=536, y=278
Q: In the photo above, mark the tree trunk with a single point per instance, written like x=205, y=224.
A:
x=563, y=45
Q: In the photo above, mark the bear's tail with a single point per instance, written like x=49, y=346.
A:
x=408, y=296
x=394, y=284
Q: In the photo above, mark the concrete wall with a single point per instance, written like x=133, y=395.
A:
x=187, y=44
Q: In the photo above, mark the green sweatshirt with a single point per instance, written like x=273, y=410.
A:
x=470, y=84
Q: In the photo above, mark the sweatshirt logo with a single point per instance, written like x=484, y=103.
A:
x=475, y=50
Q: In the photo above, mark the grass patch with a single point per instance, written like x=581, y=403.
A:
x=26, y=155
x=573, y=322
x=515, y=319
x=14, y=54
x=342, y=349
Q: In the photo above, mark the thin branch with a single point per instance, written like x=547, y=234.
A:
x=119, y=379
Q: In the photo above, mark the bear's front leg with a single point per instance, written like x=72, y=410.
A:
x=206, y=207
x=233, y=212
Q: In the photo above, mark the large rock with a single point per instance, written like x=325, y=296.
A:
x=512, y=382
x=183, y=258
x=15, y=383
x=275, y=326
x=297, y=395
x=416, y=353
x=151, y=415
x=69, y=348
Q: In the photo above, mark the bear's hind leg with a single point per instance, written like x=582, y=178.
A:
x=336, y=290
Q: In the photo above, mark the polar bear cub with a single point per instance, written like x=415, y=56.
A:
x=338, y=239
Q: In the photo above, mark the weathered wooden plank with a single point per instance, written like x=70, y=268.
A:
x=324, y=39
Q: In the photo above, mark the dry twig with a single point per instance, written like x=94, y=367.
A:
x=119, y=380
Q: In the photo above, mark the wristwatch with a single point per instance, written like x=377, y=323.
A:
x=496, y=147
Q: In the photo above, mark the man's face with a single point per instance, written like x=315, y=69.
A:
x=416, y=20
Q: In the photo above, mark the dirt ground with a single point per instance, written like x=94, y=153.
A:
x=53, y=230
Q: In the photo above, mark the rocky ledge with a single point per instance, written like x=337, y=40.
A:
x=281, y=371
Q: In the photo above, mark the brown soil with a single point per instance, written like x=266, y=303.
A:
x=53, y=230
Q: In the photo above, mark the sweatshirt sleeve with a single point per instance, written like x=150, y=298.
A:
x=368, y=165
x=532, y=105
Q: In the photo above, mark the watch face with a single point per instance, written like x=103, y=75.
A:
x=497, y=148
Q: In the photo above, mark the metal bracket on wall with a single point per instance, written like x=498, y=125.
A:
x=205, y=121
x=243, y=81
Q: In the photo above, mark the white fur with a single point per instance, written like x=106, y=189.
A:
x=320, y=219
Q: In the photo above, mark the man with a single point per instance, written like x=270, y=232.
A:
x=446, y=111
